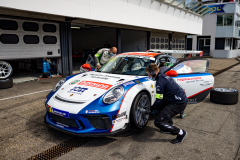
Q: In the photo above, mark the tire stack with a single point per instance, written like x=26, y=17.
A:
x=5, y=73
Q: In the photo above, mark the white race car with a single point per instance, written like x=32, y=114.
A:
x=119, y=94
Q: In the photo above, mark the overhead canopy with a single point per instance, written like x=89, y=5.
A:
x=191, y=6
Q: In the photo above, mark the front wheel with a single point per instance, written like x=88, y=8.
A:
x=139, y=115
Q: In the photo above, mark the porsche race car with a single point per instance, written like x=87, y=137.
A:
x=117, y=96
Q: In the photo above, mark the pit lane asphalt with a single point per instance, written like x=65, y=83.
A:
x=213, y=129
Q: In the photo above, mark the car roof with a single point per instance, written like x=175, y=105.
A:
x=147, y=54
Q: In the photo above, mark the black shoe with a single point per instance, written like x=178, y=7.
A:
x=180, y=138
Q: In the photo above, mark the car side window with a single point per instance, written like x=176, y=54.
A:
x=192, y=66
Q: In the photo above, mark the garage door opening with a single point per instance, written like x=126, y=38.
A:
x=24, y=42
x=88, y=39
x=133, y=41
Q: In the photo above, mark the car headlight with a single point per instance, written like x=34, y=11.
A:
x=113, y=95
x=59, y=84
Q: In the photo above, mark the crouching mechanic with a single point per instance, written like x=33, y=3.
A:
x=104, y=55
x=170, y=101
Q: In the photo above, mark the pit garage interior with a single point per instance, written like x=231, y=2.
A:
x=88, y=39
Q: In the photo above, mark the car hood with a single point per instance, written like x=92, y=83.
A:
x=89, y=86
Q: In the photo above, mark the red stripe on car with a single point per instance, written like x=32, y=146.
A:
x=120, y=107
x=199, y=93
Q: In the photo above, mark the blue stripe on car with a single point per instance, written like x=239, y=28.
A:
x=192, y=75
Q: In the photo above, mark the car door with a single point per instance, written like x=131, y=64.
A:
x=194, y=78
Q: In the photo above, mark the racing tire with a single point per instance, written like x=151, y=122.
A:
x=224, y=96
x=139, y=110
x=6, y=83
x=5, y=70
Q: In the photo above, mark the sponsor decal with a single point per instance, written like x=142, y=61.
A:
x=147, y=79
x=119, y=115
x=128, y=83
x=192, y=100
x=136, y=77
x=188, y=79
x=77, y=90
x=95, y=84
x=94, y=94
x=59, y=112
x=74, y=82
x=120, y=82
x=119, y=120
x=71, y=95
x=92, y=111
x=62, y=89
x=151, y=86
x=137, y=81
x=99, y=76
x=217, y=8
x=61, y=125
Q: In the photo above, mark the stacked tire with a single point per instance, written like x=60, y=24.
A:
x=5, y=73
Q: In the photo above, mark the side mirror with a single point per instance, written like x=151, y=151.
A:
x=171, y=73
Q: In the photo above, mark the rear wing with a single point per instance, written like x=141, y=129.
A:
x=175, y=51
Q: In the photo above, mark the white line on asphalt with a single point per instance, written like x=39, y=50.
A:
x=25, y=94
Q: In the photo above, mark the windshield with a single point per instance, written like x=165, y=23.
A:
x=127, y=65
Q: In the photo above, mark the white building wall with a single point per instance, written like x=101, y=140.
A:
x=209, y=29
x=194, y=43
x=142, y=13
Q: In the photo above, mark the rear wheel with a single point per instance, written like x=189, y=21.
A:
x=139, y=115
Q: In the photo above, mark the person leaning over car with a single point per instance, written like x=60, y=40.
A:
x=170, y=101
x=104, y=55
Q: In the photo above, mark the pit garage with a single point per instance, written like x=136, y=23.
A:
x=88, y=39
x=25, y=42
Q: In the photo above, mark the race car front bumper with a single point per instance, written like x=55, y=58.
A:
x=83, y=126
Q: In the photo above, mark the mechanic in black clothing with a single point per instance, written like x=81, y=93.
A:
x=163, y=68
x=170, y=101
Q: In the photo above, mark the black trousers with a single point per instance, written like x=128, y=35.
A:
x=164, y=118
